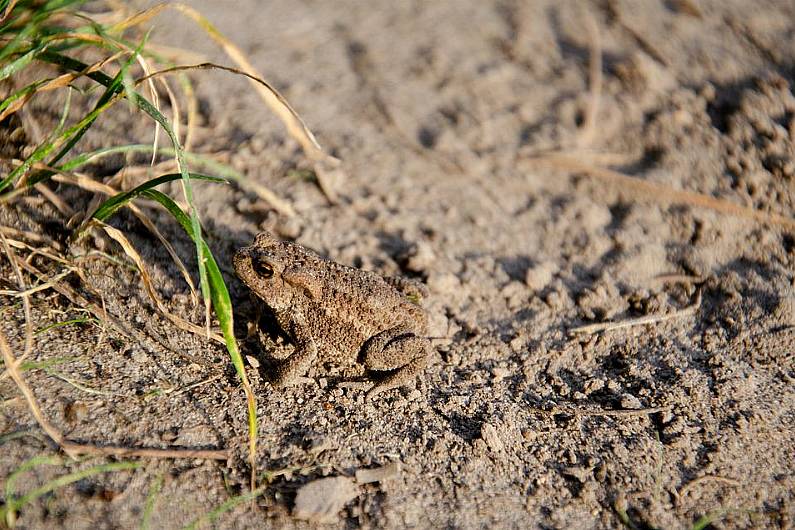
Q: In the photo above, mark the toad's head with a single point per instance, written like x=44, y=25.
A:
x=276, y=272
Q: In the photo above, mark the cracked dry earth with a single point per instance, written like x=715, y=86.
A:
x=437, y=110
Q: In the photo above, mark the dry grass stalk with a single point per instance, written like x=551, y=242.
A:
x=74, y=449
x=659, y=193
x=71, y=448
x=588, y=130
x=41, y=287
x=62, y=81
x=89, y=184
x=640, y=321
x=684, y=490
x=604, y=412
x=30, y=236
x=327, y=168
x=25, y=298
x=102, y=315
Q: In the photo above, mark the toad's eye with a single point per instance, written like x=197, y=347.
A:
x=262, y=268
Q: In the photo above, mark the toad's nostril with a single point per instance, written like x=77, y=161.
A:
x=240, y=259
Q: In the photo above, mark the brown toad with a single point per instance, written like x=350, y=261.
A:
x=337, y=313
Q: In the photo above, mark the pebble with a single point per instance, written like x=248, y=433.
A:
x=321, y=500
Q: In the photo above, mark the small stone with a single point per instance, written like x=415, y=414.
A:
x=252, y=361
x=499, y=373
x=581, y=473
x=492, y=438
x=378, y=474
x=420, y=257
x=538, y=276
x=75, y=412
x=289, y=227
x=320, y=444
x=529, y=435
x=515, y=294
x=593, y=385
x=443, y=283
x=321, y=500
x=628, y=401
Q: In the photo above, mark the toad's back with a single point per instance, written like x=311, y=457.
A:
x=351, y=307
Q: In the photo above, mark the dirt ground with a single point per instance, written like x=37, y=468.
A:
x=440, y=112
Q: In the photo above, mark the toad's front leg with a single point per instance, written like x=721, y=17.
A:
x=397, y=350
x=292, y=369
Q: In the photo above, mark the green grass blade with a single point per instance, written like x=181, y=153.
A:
x=110, y=206
x=78, y=320
x=143, y=104
x=207, y=162
x=150, y=109
x=43, y=150
x=22, y=61
x=111, y=90
x=74, y=65
x=223, y=310
x=42, y=365
x=26, y=466
x=21, y=93
x=72, y=135
x=151, y=498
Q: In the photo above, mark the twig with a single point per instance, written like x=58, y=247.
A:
x=74, y=449
x=648, y=319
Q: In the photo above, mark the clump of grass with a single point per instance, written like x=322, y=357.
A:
x=111, y=53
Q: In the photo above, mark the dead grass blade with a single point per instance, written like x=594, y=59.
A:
x=30, y=236
x=41, y=287
x=55, y=200
x=89, y=184
x=659, y=193
x=133, y=254
x=7, y=11
x=18, y=100
x=102, y=315
x=25, y=297
x=327, y=168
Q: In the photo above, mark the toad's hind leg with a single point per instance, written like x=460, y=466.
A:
x=398, y=350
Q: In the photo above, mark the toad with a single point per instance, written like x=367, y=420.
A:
x=332, y=312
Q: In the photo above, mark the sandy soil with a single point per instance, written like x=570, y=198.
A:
x=437, y=110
